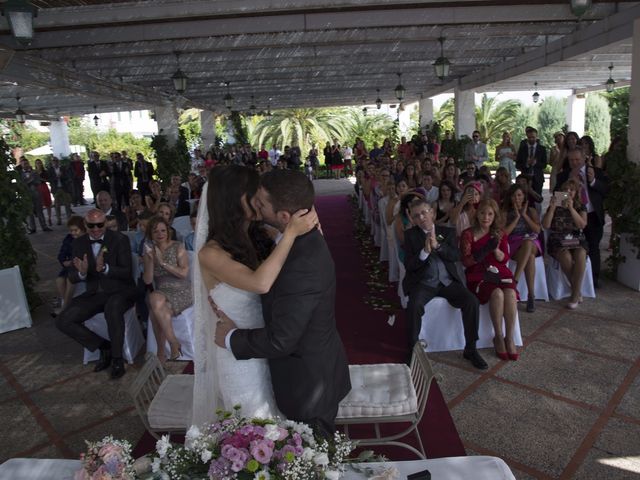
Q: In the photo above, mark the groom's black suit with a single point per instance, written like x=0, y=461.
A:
x=309, y=369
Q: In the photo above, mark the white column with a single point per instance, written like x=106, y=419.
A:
x=465, y=112
x=231, y=136
x=167, y=119
x=426, y=112
x=208, y=129
x=59, y=138
x=576, y=105
x=633, y=134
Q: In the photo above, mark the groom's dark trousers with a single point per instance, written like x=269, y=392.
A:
x=308, y=364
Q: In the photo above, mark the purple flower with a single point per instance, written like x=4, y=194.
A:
x=262, y=451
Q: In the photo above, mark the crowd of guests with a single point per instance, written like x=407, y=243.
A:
x=439, y=212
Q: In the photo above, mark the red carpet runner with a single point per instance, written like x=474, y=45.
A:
x=367, y=336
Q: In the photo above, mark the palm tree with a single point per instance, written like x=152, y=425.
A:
x=445, y=115
x=374, y=127
x=302, y=126
x=493, y=117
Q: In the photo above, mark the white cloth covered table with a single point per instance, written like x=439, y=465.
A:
x=452, y=468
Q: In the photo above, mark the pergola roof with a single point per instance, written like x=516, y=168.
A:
x=120, y=55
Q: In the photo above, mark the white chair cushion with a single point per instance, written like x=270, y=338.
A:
x=379, y=390
x=172, y=404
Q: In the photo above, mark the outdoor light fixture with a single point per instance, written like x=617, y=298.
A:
x=20, y=14
x=611, y=83
x=96, y=118
x=179, y=78
x=228, y=99
x=252, y=108
x=269, y=114
x=442, y=64
x=580, y=7
x=378, y=100
x=364, y=109
x=536, y=96
x=399, y=90
x=21, y=115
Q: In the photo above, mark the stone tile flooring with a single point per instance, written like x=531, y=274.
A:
x=569, y=408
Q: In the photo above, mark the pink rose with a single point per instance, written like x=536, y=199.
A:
x=261, y=451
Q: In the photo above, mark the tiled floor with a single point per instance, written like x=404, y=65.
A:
x=569, y=408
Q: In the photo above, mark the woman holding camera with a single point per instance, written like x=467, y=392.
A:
x=485, y=253
x=166, y=263
x=565, y=218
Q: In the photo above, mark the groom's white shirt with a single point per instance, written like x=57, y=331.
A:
x=227, y=339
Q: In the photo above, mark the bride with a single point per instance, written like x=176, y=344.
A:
x=234, y=268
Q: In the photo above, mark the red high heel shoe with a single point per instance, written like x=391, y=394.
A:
x=500, y=355
x=513, y=356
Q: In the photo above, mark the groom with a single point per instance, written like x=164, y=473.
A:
x=309, y=369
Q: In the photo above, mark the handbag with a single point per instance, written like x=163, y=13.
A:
x=570, y=240
x=492, y=275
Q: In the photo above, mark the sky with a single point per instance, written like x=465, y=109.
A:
x=524, y=96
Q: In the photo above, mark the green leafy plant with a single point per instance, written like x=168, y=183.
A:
x=171, y=159
x=622, y=203
x=15, y=206
x=239, y=128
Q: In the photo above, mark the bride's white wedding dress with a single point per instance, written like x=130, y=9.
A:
x=243, y=382
x=221, y=381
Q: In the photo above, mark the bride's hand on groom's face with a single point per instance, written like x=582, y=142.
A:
x=304, y=221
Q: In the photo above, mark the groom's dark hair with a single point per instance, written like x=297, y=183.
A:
x=289, y=190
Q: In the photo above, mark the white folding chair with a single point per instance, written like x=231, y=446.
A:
x=163, y=402
x=182, y=226
x=388, y=393
x=384, y=243
x=559, y=286
x=183, y=329
x=540, y=289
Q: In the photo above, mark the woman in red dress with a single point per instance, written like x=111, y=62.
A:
x=485, y=253
x=43, y=188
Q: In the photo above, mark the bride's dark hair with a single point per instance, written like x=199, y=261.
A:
x=227, y=219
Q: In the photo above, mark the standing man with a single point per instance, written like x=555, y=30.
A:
x=98, y=175
x=120, y=177
x=77, y=185
x=60, y=179
x=532, y=159
x=430, y=256
x=101, y=259
x=32, y=179
x=476, y=151
x=594, y=187
x=308, y=364
x=143, y=171
x=104, y=203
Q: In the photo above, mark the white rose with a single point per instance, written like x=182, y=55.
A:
x=271, y=432
x=163, y=445
x=155, y=465
x=192, y=435
x=206, y=455
x=321, y=459
x=332, y=474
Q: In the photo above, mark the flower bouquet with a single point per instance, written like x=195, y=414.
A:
x=237, y=448
x=108, y=459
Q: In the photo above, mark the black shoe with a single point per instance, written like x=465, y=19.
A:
x=476, y=360
x=31, y=232
x=104, y=362
x=47, y=229
x=117, y=369
x=531, y=305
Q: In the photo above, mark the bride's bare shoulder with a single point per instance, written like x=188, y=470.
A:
x=211, y=251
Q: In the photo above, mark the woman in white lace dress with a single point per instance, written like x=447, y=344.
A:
x=235, y=267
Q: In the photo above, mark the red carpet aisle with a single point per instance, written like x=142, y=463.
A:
x=367, y=336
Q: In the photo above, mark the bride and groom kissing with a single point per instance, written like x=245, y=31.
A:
x=277, y=351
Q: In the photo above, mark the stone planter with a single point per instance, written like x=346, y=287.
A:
x=629, y=270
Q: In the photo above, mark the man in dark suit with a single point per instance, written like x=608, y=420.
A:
x=143, y=171
x=595, y=185
x=430, y=256
x=182, y=206
x=532, y=159
x=98, y=175
x=60, y=182
x=101, y=259
x=105, y=203
x=307, y=360
x=120, y=173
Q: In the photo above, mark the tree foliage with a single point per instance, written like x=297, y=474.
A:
x=445, y=115
x=619, y=109
x=527, y=116
x=189, y=124
x=171, y=159
x=493, y=118
x=15, y=206
x=551, y=118
x=597, y=122
x=371, y=128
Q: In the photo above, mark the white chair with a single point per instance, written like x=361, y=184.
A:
x=183, y=329
x=442, y=328
x=164, y=402
x=182, y=226
x=384, y=243
x=559, y=286
x=133, y=337
x=388, y=393
x=540, y=281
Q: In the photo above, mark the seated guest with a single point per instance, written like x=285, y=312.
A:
x=189, y=240
x=402, y=221
x=101, y=259
x=104, y=203
x=470, y=174
x=430, y=256
x=166, y=211
x=167, y=265
x=445, y=204
x=180, y=205
x=76, y=227
x=565, y=218
x=134, y=209
x=428, y=189
x=155, y=196
x=533, y=197
x=485, y=253
x=137, y=240
x=464, y=213
x=112, y=223
x=501, y=185
x=523, y=227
